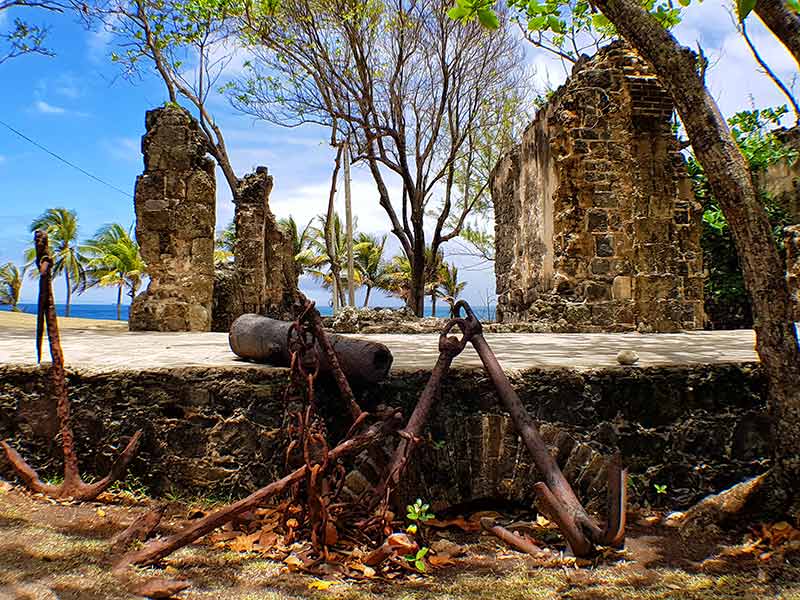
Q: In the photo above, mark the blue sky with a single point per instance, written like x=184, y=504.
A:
x=77, y=105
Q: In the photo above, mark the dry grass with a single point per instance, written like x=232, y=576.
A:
x=56, y=551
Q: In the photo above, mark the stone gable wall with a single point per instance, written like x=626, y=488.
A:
x=175, y=201
x=596, y=225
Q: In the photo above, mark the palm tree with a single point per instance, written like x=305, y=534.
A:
x=399, y=277
x=433, y=277
x=224, y=244
x=11, y=284
x=320, y=265
x=61, y=226
x=450, y=287
x=301, y=242
x=368, y=258
x=113, y=259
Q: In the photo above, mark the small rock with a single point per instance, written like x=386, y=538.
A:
x=627, y=357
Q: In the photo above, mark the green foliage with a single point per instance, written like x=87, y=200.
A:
x=61, y=226
x=727, y=304
x=744, y=8
x=113, y=260
x=450, y=287
x=418, y=512
x=224, y=244
x=469, y=9
x=11, y=284
x=563, y=21
x=418, y=559
x=24, y=38
x=661, y=488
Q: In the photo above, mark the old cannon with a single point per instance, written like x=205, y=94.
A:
x=264, y=340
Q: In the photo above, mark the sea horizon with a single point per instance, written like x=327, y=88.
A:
x=108, y=312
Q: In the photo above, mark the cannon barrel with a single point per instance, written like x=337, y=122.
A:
x=264, y=340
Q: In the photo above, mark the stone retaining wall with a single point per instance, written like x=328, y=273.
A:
x=220, y=430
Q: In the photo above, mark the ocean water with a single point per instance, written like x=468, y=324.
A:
x=109, y=311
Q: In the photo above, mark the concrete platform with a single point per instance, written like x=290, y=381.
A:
x=107, y=350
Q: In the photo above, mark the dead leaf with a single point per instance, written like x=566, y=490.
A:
x=320, y=584
x=267, y=539
x=331, y=534
x=441, y=560
x=245, y=543
x=293, y=561
x=161, y=588
x=443, y=546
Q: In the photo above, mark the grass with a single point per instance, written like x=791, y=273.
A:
x=50, y=549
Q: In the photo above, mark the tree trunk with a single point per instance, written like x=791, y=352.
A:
x=69, y=292
x=351, y=289
x=729, y=179
x=782, y=22
x=419, y=268
x=330, y=248
x=433, y=304
x=366, y=298
x=119, y=302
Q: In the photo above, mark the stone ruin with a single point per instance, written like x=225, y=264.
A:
x=263, y=277
x=175, y=202
x=596, y=224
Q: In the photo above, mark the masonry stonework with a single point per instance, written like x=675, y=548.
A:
x=263, y=278
x=596, y=225
x=781, y=181
x=175, y=200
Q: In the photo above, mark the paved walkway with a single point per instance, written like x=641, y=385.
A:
x=100, y=350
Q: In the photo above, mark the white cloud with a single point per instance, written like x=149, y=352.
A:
x=48, y=109
x=124, y=148
x=735, y=78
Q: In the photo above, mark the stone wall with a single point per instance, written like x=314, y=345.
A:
x=596, y=225
x=792, y=244
x=782, y=180
x=695, y=429
x=263, y=279
x=175, y=200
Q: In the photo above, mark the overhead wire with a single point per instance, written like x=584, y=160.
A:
x=64, y=160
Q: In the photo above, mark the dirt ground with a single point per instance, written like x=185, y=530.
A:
x=60, y=551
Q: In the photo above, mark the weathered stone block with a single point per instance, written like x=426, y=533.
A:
x=621, y=288
x=175, y=200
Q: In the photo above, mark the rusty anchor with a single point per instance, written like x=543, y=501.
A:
x=555, y=494
x=72, y=486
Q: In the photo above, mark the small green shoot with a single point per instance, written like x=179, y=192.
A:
x=660, y=488
x=418, y=512
x=418, y=559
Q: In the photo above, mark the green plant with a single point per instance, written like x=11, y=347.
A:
x=417, y=513
x=661, y=488
x=418, y=559
x=726, y=302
